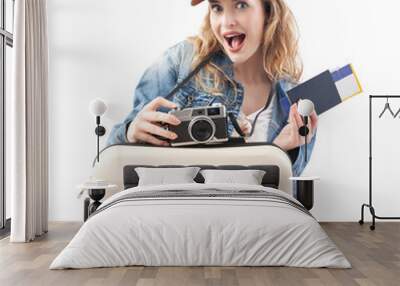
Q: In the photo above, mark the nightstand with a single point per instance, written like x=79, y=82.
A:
x=96, y=192
x=305, y=190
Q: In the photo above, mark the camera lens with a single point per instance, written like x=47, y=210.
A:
x=201, y=129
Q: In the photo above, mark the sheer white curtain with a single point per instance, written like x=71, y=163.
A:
x=29, y=122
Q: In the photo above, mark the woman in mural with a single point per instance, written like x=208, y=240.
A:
x=253, y=62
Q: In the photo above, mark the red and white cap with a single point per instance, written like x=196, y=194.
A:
x=195, y=2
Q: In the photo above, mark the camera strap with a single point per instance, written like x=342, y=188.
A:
x=253, y=125
x=267, y=104
x=235, y=124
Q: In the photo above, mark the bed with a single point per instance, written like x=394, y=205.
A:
x=199, y=223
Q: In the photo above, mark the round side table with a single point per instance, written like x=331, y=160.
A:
x=305, y=190
x=96, y=193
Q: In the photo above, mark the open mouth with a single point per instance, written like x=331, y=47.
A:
x=235, y=42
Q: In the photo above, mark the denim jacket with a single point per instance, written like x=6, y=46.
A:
x=173, y=66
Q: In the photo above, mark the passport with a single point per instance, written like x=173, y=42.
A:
x=327, y=89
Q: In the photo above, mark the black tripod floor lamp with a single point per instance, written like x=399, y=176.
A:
x=370, y=205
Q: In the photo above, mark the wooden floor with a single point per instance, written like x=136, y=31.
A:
x=374, y=255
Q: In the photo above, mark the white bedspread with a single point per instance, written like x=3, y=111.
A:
x=177, y=231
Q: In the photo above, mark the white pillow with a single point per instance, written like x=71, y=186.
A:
x=248, y=177
x=164, y=176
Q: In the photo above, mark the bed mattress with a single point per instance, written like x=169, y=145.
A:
x=201, y=225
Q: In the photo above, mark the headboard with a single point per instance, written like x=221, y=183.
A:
x=114, y=158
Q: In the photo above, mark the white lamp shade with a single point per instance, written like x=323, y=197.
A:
x=97, y=107
x=305, y=107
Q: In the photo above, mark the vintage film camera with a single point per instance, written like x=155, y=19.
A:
x=200, y=125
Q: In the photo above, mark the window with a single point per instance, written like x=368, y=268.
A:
x=6, y=44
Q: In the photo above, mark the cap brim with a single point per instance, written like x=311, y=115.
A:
x=195, y=2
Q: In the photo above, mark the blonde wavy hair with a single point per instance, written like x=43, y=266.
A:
x=280, y=48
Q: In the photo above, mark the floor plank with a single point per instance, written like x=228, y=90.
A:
x=374, y=255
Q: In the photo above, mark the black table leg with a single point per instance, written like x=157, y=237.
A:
x=305, y=193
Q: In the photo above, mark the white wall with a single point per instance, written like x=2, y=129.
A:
x=100, y=49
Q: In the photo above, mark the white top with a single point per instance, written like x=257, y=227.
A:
x=260, y=131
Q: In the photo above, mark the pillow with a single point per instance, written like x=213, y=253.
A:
x=163, y=176
x=248, y=177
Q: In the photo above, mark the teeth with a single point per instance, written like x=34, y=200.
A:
x=232, y=36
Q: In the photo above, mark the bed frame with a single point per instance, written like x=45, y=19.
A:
x=115, y=158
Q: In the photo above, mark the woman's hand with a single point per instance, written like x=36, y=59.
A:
x=289, y=138
x=148, y=123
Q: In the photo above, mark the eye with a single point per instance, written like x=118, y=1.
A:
x=242, y=5
x=216, y=8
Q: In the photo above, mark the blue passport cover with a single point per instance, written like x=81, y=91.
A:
x=321, y=90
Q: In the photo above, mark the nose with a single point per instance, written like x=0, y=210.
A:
x=229, y=19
